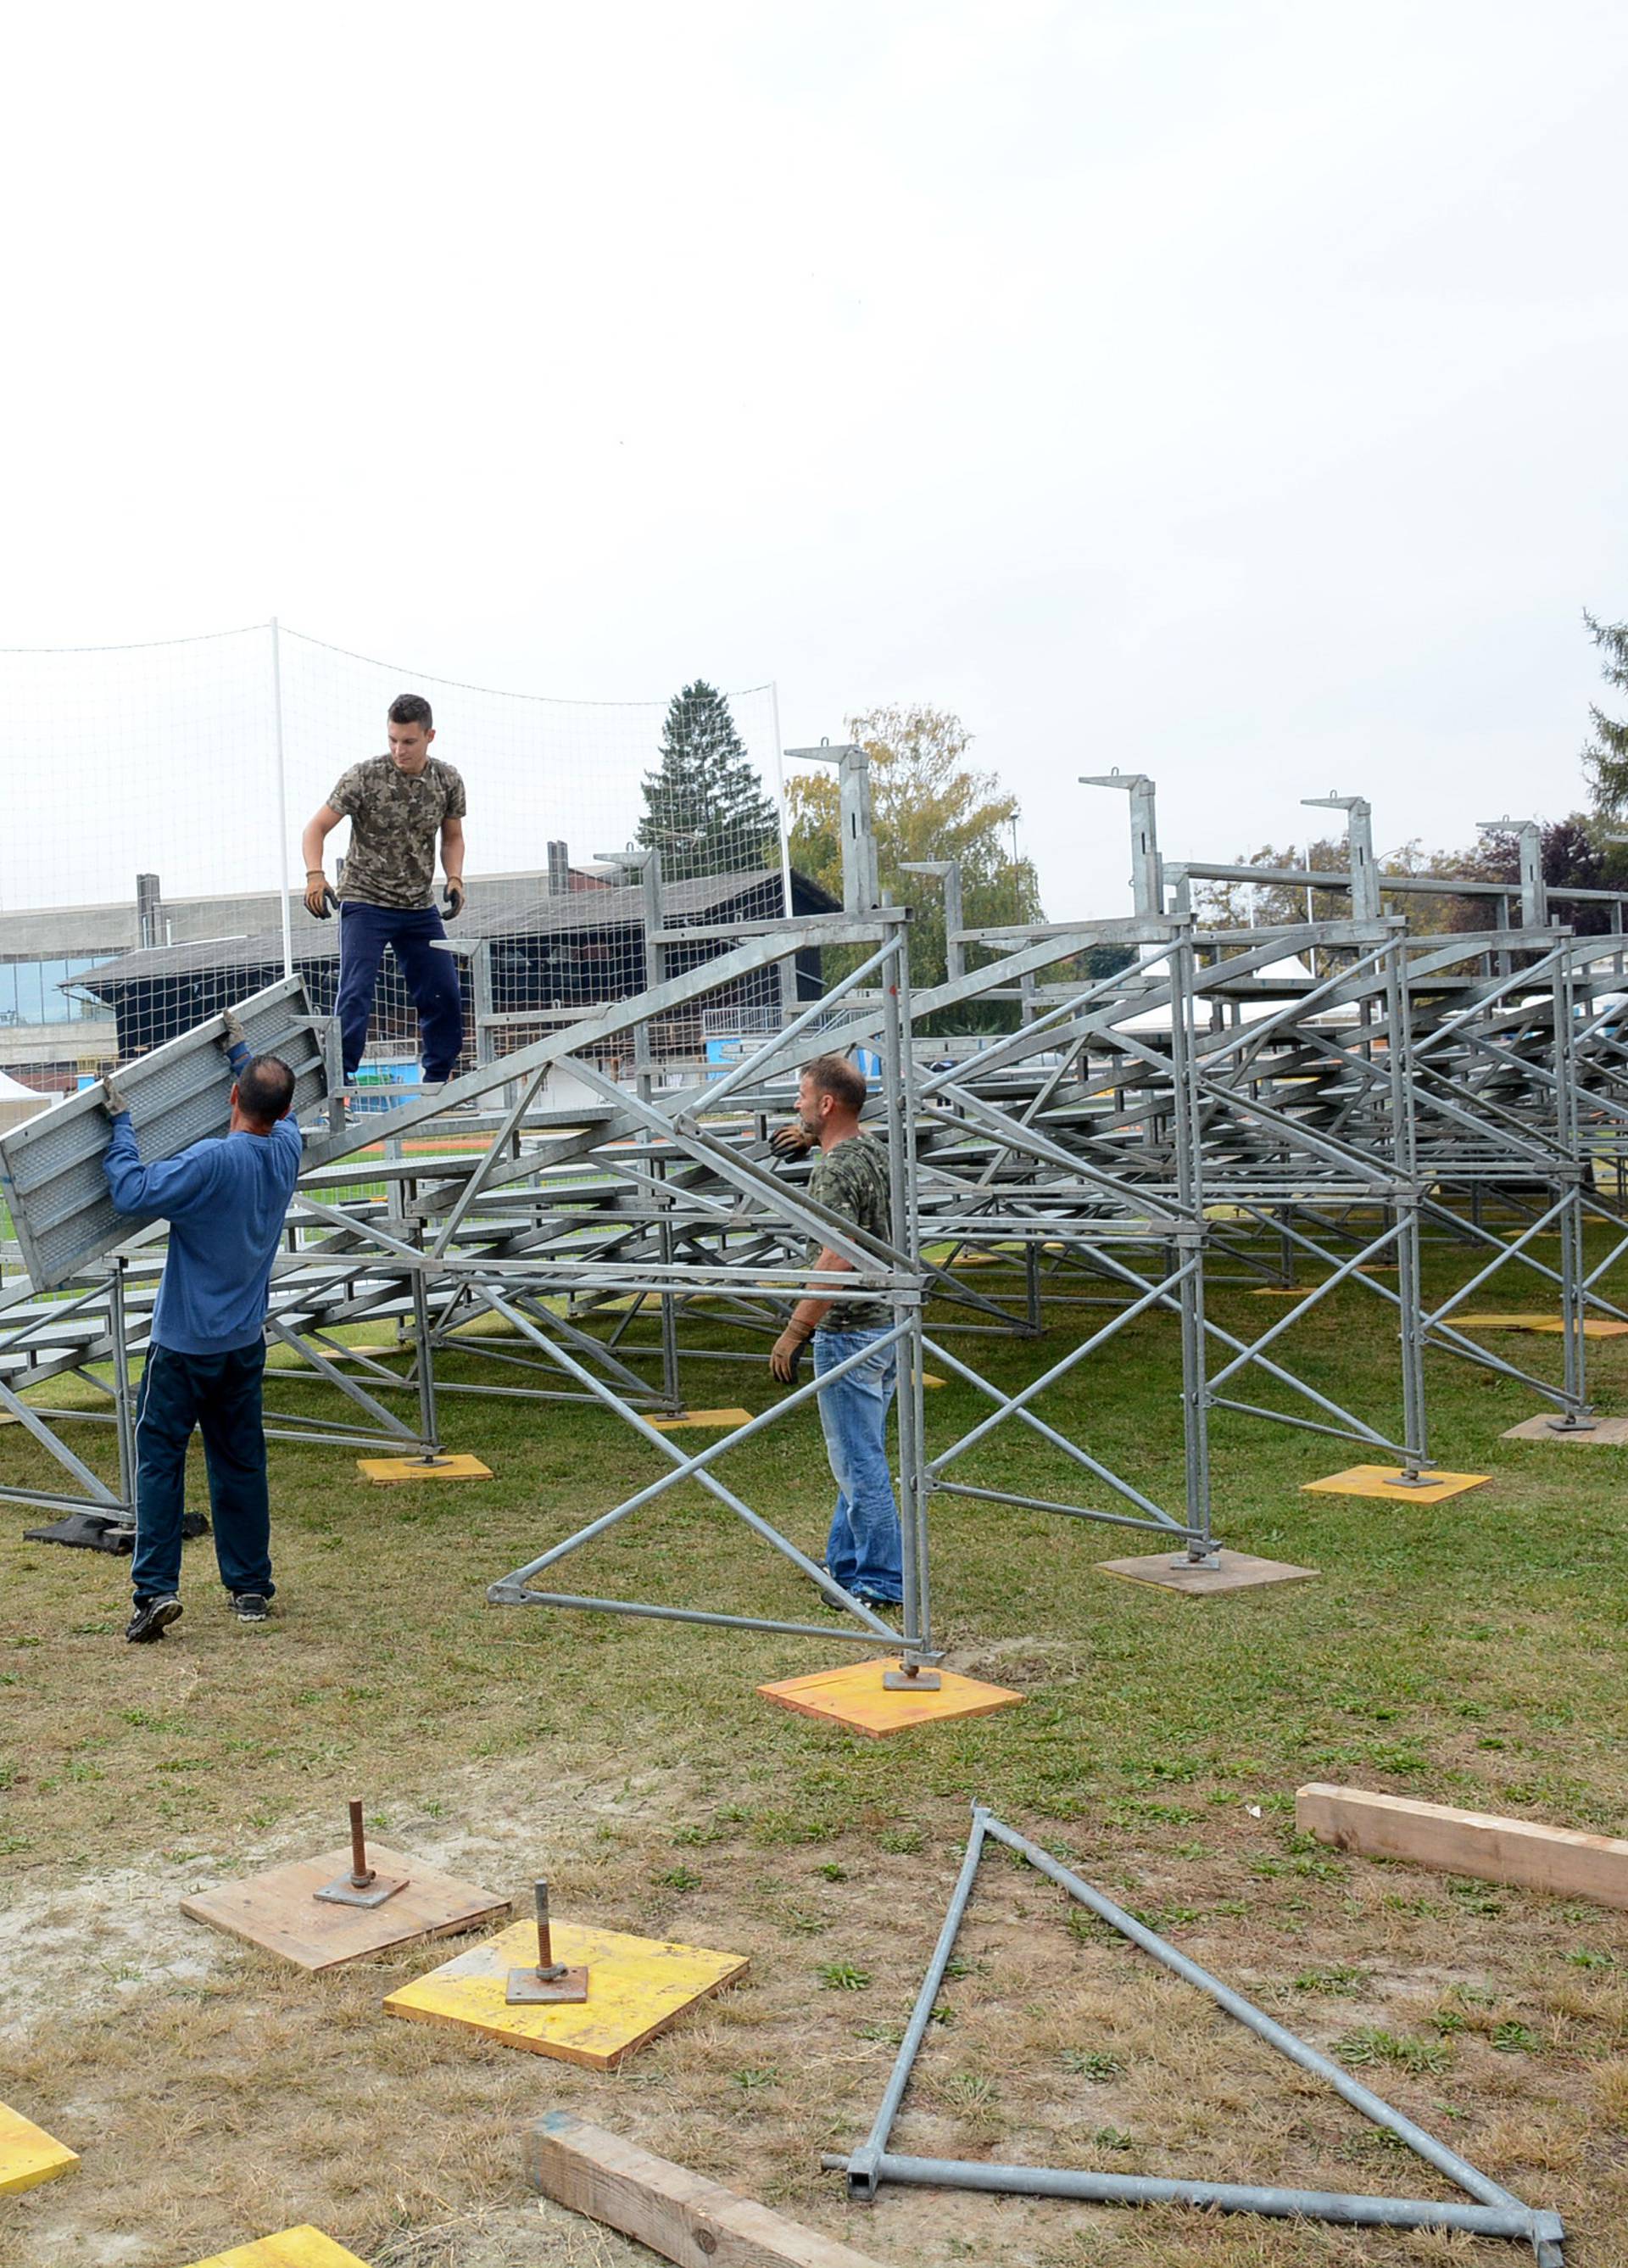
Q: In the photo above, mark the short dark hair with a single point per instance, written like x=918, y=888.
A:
x=411, y=708
x=839, y=1076
x=265, y=1089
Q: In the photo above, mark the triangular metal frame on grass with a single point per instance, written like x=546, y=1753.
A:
x=1494, y=2210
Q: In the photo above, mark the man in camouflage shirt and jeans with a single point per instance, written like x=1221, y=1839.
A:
x=850, y=1177
x=397, y=805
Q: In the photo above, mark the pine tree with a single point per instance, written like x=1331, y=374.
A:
x=1605, y=759
x=705, y=809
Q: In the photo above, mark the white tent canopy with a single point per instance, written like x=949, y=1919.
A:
x=1291, y=969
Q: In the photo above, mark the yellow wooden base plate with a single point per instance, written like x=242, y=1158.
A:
x=637, y=1986
x=280, y=1912
x=712, y=1420
x=392, y=1470
x=1382, y=1480
x=1300, y=1291
x=28, y=2155
x=305, y=2247
x=1239, y=1571
x=1595, y=1327
x=854, y=1696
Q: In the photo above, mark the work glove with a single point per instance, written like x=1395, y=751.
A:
x=787, y=1352
x=112, y=1102
x=319, y=900
x=453, y=897
x=235, y=1036
x=793, y=1141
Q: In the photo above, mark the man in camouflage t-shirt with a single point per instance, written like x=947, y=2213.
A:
x=850, y=1177
x=396, y=806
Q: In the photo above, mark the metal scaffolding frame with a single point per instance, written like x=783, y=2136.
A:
x=1339, y=1096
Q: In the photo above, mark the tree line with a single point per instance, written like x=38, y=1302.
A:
x=708, y=812
x=1578, y=851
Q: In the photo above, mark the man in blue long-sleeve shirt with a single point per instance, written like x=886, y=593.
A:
x=225, y=1201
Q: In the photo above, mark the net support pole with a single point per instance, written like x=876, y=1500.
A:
x=779, y=797
x=283, y=797
x=785, y=975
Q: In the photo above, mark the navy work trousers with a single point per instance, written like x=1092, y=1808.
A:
x=431, y=978
x=220, y=1395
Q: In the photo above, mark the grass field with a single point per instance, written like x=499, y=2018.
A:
x=1470, y=1652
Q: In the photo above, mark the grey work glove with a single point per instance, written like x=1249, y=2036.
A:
x=112, y=1102
x=319, y=900
x=793, y=1141
x=453, y=897
x=235, y=1036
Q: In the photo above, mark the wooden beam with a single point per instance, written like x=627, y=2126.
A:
x=677, y=2213
x=1494, y=1849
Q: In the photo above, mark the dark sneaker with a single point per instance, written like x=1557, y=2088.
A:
x=250, y=1607
x=150, y=1618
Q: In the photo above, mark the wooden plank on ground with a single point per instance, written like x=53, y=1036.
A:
x=1494, y=1849
x=680, y=2214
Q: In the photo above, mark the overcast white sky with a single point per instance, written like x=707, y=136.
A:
x=1229, y=391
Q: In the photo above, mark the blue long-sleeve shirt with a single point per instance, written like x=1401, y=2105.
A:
x=225, y=1200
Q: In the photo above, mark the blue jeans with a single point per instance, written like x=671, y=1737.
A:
x=863, y=1549
x=220, y=1395
x=431, y=978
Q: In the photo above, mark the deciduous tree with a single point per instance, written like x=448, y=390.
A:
x=929, y=802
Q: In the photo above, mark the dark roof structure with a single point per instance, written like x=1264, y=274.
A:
x=618, y=906
x=549, y=950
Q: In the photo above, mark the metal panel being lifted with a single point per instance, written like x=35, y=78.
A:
x=51, y=1168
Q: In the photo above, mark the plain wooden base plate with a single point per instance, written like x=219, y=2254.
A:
x=1239, y=1571
x=280, y=1913
x=1608, y=1432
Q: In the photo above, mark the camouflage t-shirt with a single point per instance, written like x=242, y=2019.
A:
x=852, y=1179
x=394, y=824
